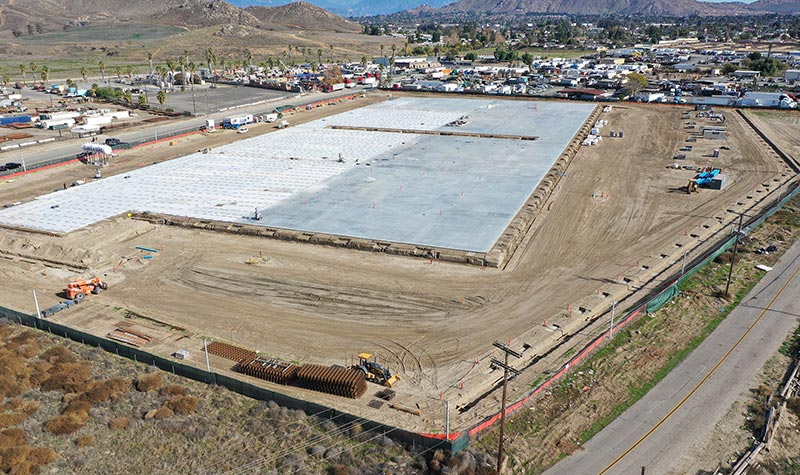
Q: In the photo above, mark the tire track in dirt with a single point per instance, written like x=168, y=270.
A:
x=333, y=300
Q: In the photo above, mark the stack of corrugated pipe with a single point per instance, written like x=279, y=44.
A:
x=335, y=380
x=273, y=370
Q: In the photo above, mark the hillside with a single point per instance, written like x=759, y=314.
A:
x=599, y=7
x=352, y=8
x=35, y=17
x=302, y=15
x=777, y=6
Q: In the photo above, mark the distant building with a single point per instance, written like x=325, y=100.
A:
x=746, y=74
x=612, y=61
x=583, y=94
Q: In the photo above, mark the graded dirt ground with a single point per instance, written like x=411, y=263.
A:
x=618, y=219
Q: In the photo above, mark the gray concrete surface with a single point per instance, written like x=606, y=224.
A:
x=668, y=449
x=442, y=191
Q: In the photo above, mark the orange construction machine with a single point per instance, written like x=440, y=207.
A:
x=77, y=290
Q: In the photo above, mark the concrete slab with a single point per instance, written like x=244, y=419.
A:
x=440, y=191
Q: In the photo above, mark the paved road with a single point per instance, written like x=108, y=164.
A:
x=43, y=153
x=660, y=430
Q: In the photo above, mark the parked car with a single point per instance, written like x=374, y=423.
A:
x=112, y=141
x=242, y=130
x=13, y=165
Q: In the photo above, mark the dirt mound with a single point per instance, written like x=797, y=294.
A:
x=45, y=250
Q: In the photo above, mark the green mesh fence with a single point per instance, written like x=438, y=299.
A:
x=666, y=295
x=247, y=389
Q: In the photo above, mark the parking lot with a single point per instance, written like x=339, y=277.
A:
x=213, y=98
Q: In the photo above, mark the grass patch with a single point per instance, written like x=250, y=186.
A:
x=104, y=33
x=791, y=347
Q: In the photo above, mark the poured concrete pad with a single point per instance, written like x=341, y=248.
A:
x=428, y=190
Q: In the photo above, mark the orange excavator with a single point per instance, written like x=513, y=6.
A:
x=77, y=290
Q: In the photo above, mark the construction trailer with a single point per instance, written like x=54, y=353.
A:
x=237, y=121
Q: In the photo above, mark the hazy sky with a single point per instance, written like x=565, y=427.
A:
x=718, y=1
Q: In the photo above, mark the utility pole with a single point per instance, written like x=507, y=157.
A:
x=739, y=233
x=504, y=364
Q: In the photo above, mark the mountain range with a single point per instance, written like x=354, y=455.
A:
x=55, y=15
x=354, y=8
x=624, y=7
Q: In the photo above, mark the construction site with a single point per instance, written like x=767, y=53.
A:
x=367, y=259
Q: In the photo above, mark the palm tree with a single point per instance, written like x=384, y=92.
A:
x=162, y=98
x=382, y=55
x=129, y=71
x=45, y=74
x=150, y=61
x=364, y=62
x=391, y=71
x=162, y=74
x=331, y=47
x=211, y=59
x=142, y=101
x=248, y=55
x=102, y=67
x=84, y=73
x=319, y=56
x=182, y=63
x=6, y=79
x=222, y=64
x=119, y=72
x=33, y=71
x=192, y=69
x=171, y=72
x=22, y=70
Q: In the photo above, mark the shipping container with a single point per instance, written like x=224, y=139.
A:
x=56, y=124
x=15, y=119
x=59, y=115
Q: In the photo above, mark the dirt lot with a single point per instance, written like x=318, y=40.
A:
x=618, y=218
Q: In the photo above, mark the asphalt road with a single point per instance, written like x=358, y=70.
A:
x=660, y=430
x=43, y=153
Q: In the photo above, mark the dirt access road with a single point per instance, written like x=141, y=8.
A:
x=617, y=218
